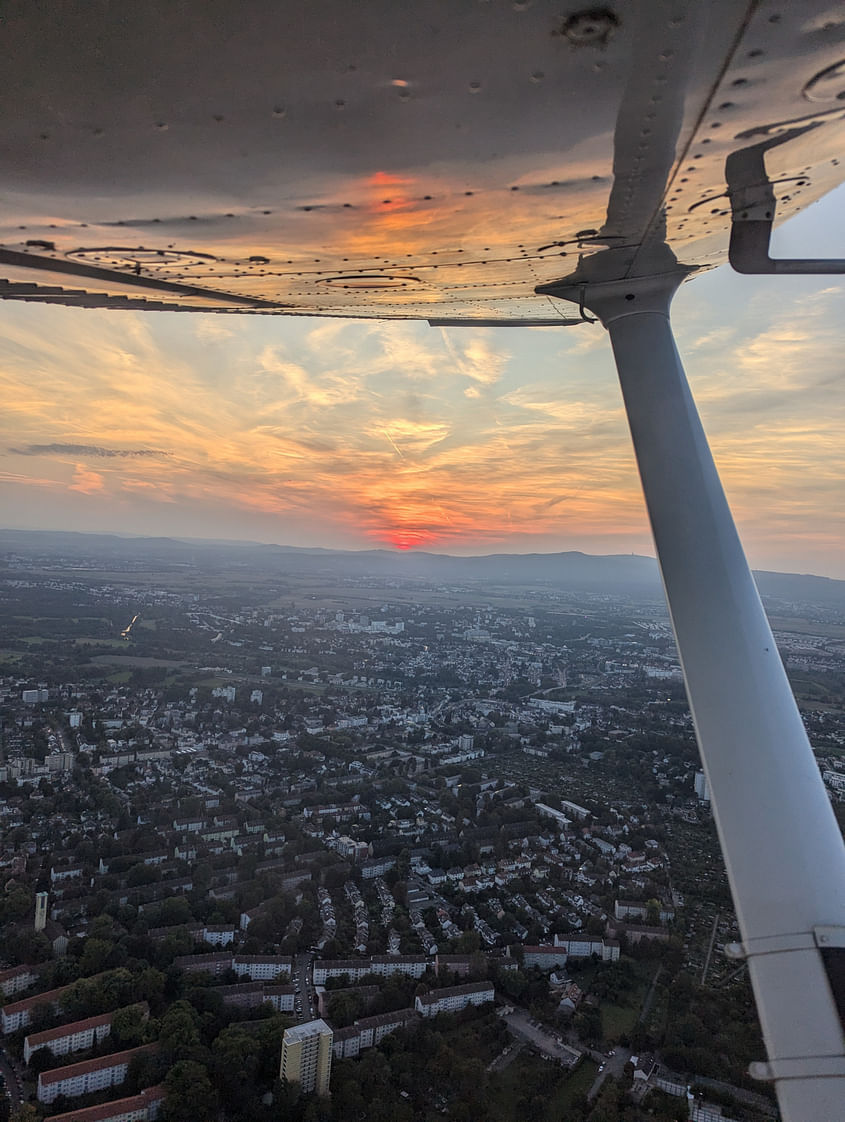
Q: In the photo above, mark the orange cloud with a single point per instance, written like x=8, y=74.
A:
x=86, y=481
x=410, y=437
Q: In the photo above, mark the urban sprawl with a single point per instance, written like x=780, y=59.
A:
x=316, y=847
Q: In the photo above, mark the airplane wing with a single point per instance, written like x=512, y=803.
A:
x=484, y=162
x=435, y=160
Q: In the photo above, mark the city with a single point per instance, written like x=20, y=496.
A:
x=280, y=842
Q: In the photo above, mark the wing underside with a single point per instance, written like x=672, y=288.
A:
x=435, y=161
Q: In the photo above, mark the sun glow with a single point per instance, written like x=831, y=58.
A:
x=406, y=539
x=397, y=436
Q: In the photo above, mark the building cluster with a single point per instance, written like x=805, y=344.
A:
x=377, y=791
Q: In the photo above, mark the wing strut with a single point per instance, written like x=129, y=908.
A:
x=782, y=846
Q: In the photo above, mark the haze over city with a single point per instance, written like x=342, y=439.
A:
x=360, y=435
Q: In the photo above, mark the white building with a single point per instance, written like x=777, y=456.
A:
x=17, y=978
x=17, y=1014
x=413, y=966
x=582, y=946
x=370, y=1031
x=702, y=790
x=75, y=1037
x=453, y=999
x=262, y=967
x=143, y=1107
x=834, y=779
x=557, y=816
x=218, y=936
x=88, y=1075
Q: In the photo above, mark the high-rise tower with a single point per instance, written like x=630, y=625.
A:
x=307, y=1056
x=40, y=910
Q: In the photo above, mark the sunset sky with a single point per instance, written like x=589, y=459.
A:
x=461, y=440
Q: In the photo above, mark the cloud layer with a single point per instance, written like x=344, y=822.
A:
x=339, y=433
x=85, y=450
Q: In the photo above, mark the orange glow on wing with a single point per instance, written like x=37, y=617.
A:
x=385, y=179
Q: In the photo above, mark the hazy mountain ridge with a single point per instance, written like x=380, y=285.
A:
x=609, y=573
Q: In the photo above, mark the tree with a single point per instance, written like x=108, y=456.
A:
x=179, y=1031
x=95, y=956
x=42, y=1059
x=189, y=1095
x=609, y=1103
x=149, y=985
x=17, y=902
x=26, y=1112
x=128, y=1026
x=235, y=1065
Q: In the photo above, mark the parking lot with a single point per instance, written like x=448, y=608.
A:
x=533, y=1033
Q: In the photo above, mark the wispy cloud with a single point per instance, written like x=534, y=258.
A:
x=335, y=432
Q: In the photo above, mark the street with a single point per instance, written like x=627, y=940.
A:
x=613, y=1065
x=305, y=1001
x=12, y=1082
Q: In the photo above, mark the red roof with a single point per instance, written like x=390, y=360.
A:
x=48, y=997
x=37, y=1039
x=71, y=1071
x=15, y=972
x=104, y=1111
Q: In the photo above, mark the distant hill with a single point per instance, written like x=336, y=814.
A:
x=612, y=574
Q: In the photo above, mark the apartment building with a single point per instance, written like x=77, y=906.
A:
x=413, y=966
x=262, y=967
x=453, y=999
x=16, y=979
x=370, y=1031
x=144, y=1107
x=307, y=1056
x=18, y=1014
x=88, y=1075
x=73, y=1037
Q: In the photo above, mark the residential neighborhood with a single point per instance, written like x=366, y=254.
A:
x=256, y=810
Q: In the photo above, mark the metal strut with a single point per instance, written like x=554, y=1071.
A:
x=782, y=846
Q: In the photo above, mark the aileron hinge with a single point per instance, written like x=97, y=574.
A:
x=823, y=937
x=809, y=1067
x=772, y=944
x=753, y=205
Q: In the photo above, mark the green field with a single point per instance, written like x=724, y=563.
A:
x=618, y=1019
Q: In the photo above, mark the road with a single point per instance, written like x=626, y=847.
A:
x=649, y=997
x=506, y=1057
x=613, y=1065
x=302, y=975
x=12, y=1080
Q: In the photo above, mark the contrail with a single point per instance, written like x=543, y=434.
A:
x=398, y=450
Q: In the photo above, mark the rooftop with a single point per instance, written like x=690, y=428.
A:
x=37, y=1039
x=98, y=1063
x=103, y=1111
x=303, y=1032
